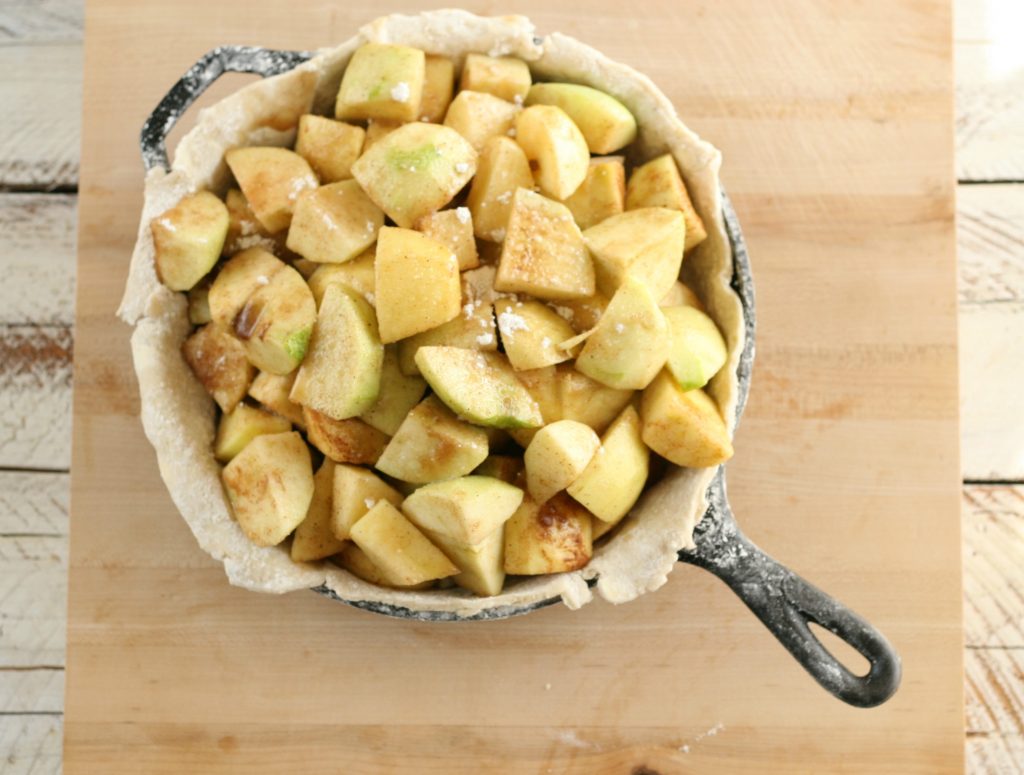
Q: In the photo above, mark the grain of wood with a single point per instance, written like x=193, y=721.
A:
x=995, y=708
x=35, y=690
x=989, y=90
x=34, y=21
x=33, y=503
x=33, y=590
x=37, y=249
x=35, y=397
x=990, y=241
x=41, y=96
x=31, y=745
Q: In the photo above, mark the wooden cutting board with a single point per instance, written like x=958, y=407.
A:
x=836, y=121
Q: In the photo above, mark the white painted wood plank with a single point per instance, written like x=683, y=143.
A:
x=33, y=591
x=31, y=21
x=33, y=503
x=41, y=95
x=31, y=745
x=990, y=242
x=990, y=89
x=38, y=690
x=35, y=397
x=995, y=703
x=37, y=251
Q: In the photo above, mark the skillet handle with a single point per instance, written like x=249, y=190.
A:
x=786, y=604
x=236, y=59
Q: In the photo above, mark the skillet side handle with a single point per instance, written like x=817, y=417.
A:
x=236, y=59
x=786, y=604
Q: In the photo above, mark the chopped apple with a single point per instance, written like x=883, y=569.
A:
x=531, y=334
x=243, y=424
x=356, y=491
x=276, y=321
x=630, y=344
x=478, y=117
x=334, y=224
x=344, y=441
x=219, y=363
x=552, y=537
x=659, y=184
x=398, y=394
x=503, y=168
x=555, y=144
x=304, y=267
x=270, y=486
x=237, y=280
x=557, y=455
x=466, y=510
x=504, y=77
x=408, y=263
x=479, y=386
x=481, y=567
x=199, y=304
x=382, y=81
x=507, y=468
x=683, y=426
x=415, y=170
x=329, y=146
x=646, y=244
x=543, y=386
x=544, y=254
x=605, y=122
x=438, y=84
x=583, y=314
x=188, y=239
x=376, y=131
x=273, y=180
x=274, y=391
x=613, y=480
x=395, y=546
x=681, y=296
x=354, y=560
x=433, y=444
x=313, y=539
x=341, y=374
x=697, y=350
x=588, y=401
x=453, y=228
x=357, y=274
x=244, y=229
x=602, y=193
x=478, y=284
x=472, y=329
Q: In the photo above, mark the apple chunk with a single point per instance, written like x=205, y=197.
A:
x=481, y=567
x=270, y=486
x=273, y=391
x=531, y=334
x=646, y=244
x=555, y=144
x=466, y=510
x=433, y=444
x=236, y=281
x=241, y=425
x=357, y=274
x=697, y=350
x=551, y=537
x=313, y=539
x=395, y=546
x=453, y=228
x=504, y=77
x=602, y=193
x=335, y=223
x=219, y=363
x=344, y=441
x=407, y=265
x=630, y=344
x=341, y=374
x=502, y=168
x=329, y=146
x=606, y=124
x=558, y=453
x=683, y=426
x=615, y=476
x=354, y=560
x=188, y=239
x=356, y=491
x=479, y=386
x=473, y=329
x=415, y=170
x=659, y=184
x=398, y=394
x=438, y=84
x=276, y=321
x=543, y=254
x=272, y=179
x=479, y=117
x=382, y=81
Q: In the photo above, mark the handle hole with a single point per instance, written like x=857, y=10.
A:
x=854, y=661
x=218, y=90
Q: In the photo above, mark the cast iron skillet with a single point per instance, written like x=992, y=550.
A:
x=783, y=601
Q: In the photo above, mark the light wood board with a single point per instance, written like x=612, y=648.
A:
x=836, y=124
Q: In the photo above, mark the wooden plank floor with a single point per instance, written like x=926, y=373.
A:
x=40, y=52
